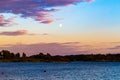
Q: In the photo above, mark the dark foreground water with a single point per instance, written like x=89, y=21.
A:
x=60, y=71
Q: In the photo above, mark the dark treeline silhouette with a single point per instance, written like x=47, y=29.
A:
x=7, y=56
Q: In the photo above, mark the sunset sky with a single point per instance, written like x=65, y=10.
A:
x=60, y=27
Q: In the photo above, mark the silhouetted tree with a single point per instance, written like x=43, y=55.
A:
x=23, y=55
x=41, y=54
x=48, y=54
x=17, y=55
x=12, y=55
x=6, y=54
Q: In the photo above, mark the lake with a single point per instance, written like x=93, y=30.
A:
x=60, y=71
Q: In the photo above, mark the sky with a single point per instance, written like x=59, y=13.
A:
x=60, y=27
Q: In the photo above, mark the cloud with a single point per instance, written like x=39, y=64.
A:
x=39, y=10
x=67, y=43
x=116, y=47
x=44, y=34
x=6, y=22
x=114, y=42
x=19, y=32
x=52, y=48
x=90, y=0
x=14, y=33
x=47, y=21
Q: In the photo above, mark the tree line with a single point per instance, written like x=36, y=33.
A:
x=7, y=56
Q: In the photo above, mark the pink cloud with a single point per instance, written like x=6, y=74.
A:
x=39, y=10
x=5, y=22
x=14, y=33
x=18, y=33
x=47, y=21
x=116, y=47
x=52, y=48
x=90, y=0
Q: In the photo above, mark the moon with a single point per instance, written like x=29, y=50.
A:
x=60, y=25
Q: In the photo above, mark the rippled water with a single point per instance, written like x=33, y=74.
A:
x=60, y=71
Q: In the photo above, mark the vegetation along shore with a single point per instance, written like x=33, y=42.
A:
x=7, y=56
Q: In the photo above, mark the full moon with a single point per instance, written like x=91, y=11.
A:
x=60, y=25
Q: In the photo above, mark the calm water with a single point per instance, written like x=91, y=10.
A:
x=60, y=71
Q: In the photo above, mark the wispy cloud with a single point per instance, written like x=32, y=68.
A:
x=14, y=33
x=90, y=0
x=6, y=22
x=53, y=48
x=116, y=47
x=47, y=21
x=44, y=34
x=19, y=33
x=39, y=10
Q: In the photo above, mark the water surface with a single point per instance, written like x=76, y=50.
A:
x=60, y=71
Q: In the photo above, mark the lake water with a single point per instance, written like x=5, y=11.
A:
x=60, y=71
